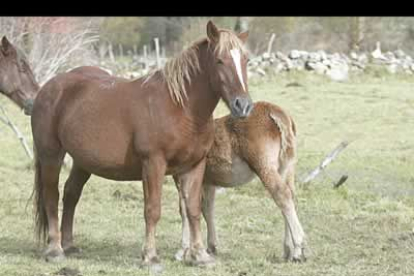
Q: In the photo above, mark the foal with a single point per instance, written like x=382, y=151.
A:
x=262, y=144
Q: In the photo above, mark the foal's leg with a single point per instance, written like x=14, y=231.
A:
x=49, y=176
x=282, y=194
x=72, y=193
x=208, y=214
x=191, y=185
x=153, y=172
x=209, y=193
x=185, y=228
x=288, y=247
x=294, y=234
x=290, y=181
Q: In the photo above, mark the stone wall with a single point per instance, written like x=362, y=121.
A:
x=337, y=66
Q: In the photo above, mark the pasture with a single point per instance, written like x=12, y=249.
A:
x=365, y=227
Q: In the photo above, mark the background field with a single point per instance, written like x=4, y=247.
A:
x=365, y=227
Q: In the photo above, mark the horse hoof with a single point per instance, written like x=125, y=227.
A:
x=300, y=257
x=212, y=250
x=199, y=258
x=54, y=256
x=153, y=264
x=297, y=260
x=72, y=250
x=179, y=256
x=156, y=268
x=148, y=261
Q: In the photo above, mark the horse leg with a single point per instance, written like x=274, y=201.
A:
x=288, y=242
x=282, y=194
x=185, y=229
x=50, y=195
x=153, y=172
x=288, y=247
x=72, y=193
x=209, y=192
x=191, y=185
x=208, y=197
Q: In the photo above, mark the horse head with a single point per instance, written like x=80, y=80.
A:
x=17, y=81
x=228, y=69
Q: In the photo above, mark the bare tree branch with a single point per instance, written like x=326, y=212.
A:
x=6, y=120
x=328, y=159
x=56, y=43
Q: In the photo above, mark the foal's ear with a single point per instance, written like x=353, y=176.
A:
x=212, y=32
x=243, y=36
x=6, y=46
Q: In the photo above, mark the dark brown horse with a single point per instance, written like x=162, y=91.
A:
x=264, y=144
x=136, y=130
x=17, y=81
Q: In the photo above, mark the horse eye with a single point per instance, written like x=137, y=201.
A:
x=219, y=61
x=23, y=66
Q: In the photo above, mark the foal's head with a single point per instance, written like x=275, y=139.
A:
x=16, y=78
x=227, y=69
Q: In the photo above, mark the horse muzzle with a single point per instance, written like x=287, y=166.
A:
x=241, y=107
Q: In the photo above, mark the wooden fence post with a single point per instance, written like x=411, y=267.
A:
x=269, y=46
x=157, y=52
x=145, y=57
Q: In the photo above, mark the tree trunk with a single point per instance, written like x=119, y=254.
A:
x=357, y=33
x=242, y=24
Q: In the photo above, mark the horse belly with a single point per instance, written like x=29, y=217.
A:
x=108, y=166
x=233, y=174
x=106, y=154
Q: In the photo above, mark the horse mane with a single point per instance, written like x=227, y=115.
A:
x=180, y=69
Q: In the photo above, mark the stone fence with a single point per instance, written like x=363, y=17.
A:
x=336, y=65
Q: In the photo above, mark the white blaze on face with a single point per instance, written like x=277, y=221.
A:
x=235, y=54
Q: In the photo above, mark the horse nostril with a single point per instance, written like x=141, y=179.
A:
x=237, y=103
x=248, y=109
x=241, y=107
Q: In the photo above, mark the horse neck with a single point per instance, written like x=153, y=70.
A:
x=202, y=99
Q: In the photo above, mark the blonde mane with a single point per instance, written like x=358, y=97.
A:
x=179, y=70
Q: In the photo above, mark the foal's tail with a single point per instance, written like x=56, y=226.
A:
x=41, y=223
x=287, y=154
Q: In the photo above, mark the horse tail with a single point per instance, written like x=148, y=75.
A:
x=287, y=153
x=41, y=223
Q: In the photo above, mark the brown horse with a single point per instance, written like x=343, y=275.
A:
x=17, y=81
x=262, y=144
x=136, y=130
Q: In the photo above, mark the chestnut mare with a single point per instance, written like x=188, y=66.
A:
x=143, y=129
x=263, y=144
x=17, y=81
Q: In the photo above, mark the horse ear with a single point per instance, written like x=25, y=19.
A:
x=6, y=46
x=212, y=32
x=243, y=36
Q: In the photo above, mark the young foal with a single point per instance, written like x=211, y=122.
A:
x=136, y=130
x=262, y=144
x=17, y=81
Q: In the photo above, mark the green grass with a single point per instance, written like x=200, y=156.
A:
x=363, y=228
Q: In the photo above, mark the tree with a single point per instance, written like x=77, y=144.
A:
x=242, y=24
x=125, y=31
x=52, y=44
x=357, y=33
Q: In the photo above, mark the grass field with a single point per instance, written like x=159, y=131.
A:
x=365, y=227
